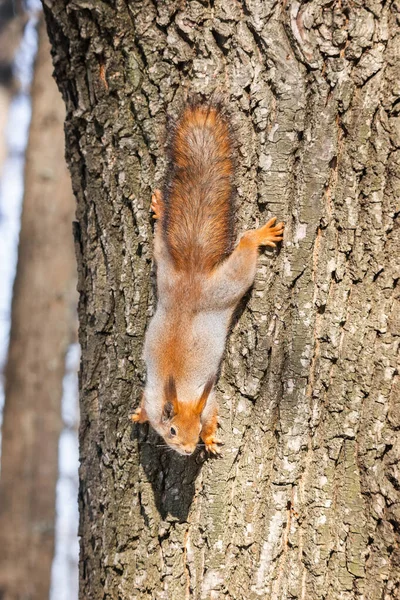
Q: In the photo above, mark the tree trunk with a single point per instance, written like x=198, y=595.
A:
x=41, y=329
x=12, y=23
x=305, y=502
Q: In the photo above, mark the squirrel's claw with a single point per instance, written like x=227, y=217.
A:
x=135, y=417
x=270, y=233
x=139, y=416
x=212, y=446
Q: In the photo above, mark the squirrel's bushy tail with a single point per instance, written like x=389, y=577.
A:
x=198, y=217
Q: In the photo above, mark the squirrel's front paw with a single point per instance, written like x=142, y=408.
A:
x=139, y=416
x=270, y=233
x=212, y=445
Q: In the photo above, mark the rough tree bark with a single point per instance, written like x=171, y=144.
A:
x=305, y=502
x=43, y=321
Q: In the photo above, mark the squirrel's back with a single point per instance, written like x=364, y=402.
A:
x=198, y=216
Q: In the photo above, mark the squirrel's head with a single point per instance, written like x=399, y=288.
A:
x=180, y=421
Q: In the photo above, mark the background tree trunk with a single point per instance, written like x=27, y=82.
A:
x=43, y=319
x=12, y=22
x=305, y=502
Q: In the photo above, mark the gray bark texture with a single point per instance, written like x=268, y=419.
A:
x=43, y=322
x=304, y=503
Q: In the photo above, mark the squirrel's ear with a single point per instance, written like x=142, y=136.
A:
x=168, y=412
x=170, y=407
x=206, y=392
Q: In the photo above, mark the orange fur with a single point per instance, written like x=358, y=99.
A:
x=140, y=414
x=200, y=280
x=185, y=418
x=198, y=219
x=208, y=434
x=176, y=344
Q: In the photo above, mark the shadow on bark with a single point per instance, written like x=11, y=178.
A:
x=172, y=476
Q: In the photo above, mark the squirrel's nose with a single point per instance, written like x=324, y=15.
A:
x=189, y=451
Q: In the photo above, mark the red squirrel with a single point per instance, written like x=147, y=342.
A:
x=200, y=280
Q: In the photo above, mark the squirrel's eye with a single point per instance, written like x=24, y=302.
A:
x=172, y=431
